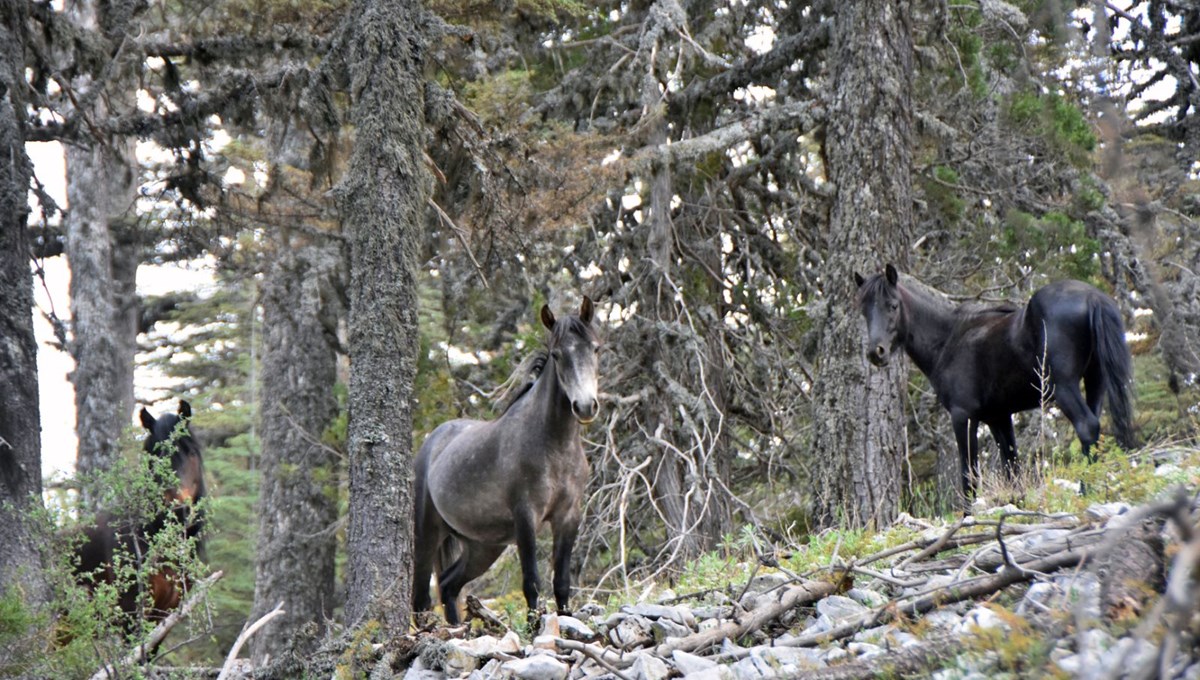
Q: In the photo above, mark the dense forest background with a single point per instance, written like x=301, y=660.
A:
x=386, y=193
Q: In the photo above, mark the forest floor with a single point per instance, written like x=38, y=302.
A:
x=1051, y=583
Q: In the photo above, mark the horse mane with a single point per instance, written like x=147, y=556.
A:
x=521, y=380
x=531, y=367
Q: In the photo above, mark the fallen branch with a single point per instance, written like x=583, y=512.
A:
x=138, y=655
x=917, y=660
x=592, y=653
x=245, y=635
x=791, y=597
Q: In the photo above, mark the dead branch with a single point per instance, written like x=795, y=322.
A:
x=227, y=669
x=789, y=598
x=138, y=655
x=592, y=652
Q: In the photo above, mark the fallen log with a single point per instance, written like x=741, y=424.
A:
x=789, y=598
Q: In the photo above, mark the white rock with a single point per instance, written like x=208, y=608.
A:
x=550, y=625
x=1167, y=470
x=509, y=644
x=718, y=673
x=546, y=642
x=982, y=618
x=794, y=659
x=574, y=629
x=536, y=668
x=837, y=609
x=942, y=619
x=690, y=663
x=666, y=628
x=681, y=615
x=647, y=667
x=634, y=631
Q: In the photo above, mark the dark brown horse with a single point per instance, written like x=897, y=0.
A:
x=482, y=486
x=130, y=538
x=987, y=363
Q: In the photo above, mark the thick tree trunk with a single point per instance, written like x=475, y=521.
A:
x=20, y=421
x=383, y=200
x=102, y=181
x=858, y=424
x=297, y=506
x=101, y=189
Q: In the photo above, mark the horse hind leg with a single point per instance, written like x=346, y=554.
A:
x=474, y=561
x=1087, y=425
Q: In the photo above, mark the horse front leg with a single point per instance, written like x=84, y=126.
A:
x=966, y=435
x=564, y=541
x=526, y=529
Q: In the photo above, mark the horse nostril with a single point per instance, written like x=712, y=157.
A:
x=879, y=351
x=595, y=406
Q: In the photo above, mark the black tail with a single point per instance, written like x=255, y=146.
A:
x=1116, y=367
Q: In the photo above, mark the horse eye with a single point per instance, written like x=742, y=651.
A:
x=556, y=354
x=895, y=306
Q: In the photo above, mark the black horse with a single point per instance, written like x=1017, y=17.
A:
x=130, y=538
x=987, y=363
x=482, y=486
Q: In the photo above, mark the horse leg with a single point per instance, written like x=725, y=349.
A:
x=430, y=533
x=1087, y=425
x=475, y=559
x=527, y=551
x=1093, y=385
x=564, y=541
x=1006, y=439
x=966, y=433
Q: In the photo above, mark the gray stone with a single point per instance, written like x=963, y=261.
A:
x=459, y=659
x=1039, y=598
x=1070, y=664
x=752, y=667
x=687, y=663
x=1082, y=593
x=709, y=624
x=834, y=655
x=790, y=660
x=539, y=667
x=647, y=667
x=1104, y=511
x=666, y=628
x=766, y=581
x=574, y=629
x=867, y=597
x=943, y=619
x=634, y=631
x=490, y=671
x=837, y=609
x=864, y=650
x=509, y=644
x=874, y=635
x=590, y=609
x=710, y=612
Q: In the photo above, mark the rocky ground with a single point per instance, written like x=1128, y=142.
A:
x=1005, y=593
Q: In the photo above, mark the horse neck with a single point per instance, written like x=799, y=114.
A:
x=929, y=322
x=552, y=406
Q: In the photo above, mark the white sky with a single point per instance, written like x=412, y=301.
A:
x=57, y=396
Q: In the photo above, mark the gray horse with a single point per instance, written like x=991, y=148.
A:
x=484, y=485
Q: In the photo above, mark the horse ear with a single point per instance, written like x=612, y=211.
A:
x=892, y=275
x=586, y=310
x=147, y=419
x=185, y=409
x=547, y=317
x=859, y=280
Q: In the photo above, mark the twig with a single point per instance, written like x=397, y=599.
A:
x=590, y=652
x=245, y=635
x=159, y=633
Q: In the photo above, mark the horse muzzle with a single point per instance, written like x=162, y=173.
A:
x=587, y=412
x=879, y=356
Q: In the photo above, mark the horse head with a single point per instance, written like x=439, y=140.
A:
x=879, y=301
x=573, y=349
x=171, y=435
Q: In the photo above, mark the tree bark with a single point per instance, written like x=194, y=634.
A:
x=383, y=200
x=102, y=181
x=297, y=506
x=858, y=425
x=21, y=569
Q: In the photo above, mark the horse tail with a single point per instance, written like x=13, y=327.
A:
x=1116, y=367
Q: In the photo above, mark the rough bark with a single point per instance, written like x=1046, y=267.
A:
x=858, y=426
x=383, y=199
x=102, y=180
x=298, y=498
x=20, y=421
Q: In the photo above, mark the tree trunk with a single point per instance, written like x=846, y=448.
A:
x=858, y=424
x=383, y=200
x=297, y=506
x=102, y=181
x=20, y=420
